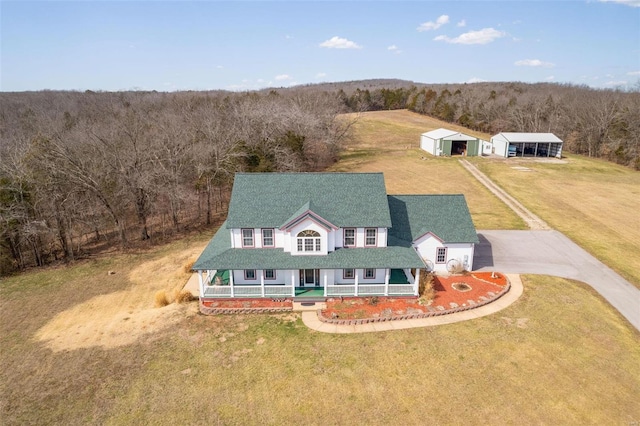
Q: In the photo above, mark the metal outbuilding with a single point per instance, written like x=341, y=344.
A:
x=449, y=142
x=527, y=145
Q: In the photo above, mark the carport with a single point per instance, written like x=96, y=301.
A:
x=528, y=144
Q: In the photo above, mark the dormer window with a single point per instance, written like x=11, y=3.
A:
x=309, y=241
x=349, y=237
x=247, y=237
x=370, y=237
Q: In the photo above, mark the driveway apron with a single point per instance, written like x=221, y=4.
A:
x=552, y=253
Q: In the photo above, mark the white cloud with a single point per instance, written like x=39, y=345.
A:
x=462, y=23
x=393, y=48
x=632, y=3
x=321, y=75
x=484, y=36
x=427, y=26
x=550, y=78
x=475, y=80
x=633, y=73
x=282, y=77
x=340, y=43
x=616, y=83
x=534, y=63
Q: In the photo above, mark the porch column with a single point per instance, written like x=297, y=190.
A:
x=386, y=281
x=233, y=293
x=200, y=283
x=262, y=283
x=355, y=275
x=324, y=275
x=536, y=153
x=416, y=283
x=293, y=283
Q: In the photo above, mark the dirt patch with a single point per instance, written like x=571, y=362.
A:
x=123, y=317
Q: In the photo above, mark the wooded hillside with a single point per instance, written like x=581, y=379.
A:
x=81, y=171
x=87, y=171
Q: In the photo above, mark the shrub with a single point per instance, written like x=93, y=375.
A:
x=373, y=301
x=184, y=296
x=161, y=299
x=188, y=266
x=425, y=287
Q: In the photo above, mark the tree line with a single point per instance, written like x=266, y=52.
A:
x=84, y=171
x=81, y=172
x=593, y=122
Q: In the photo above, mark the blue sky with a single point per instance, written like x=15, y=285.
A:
x=202, y=45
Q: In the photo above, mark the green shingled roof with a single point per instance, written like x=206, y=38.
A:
x=269, y=200
x=446, y=216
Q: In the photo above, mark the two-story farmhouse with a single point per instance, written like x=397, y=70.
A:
x=331, y=234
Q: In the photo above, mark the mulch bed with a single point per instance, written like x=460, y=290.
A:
x=248, y=303
x=476, y=288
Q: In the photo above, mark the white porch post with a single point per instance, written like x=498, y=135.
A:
x=233, y=293
x=386, y=281
x=262, y=283
x=416, y=283
x=324, y=276
x=355, y=274
x=200, y=283
x=293, y=283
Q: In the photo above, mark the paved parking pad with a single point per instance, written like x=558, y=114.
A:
x=552, y=253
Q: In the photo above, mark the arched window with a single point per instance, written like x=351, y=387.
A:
x=309, y=240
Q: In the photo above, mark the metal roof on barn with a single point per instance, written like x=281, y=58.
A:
x=448, y=135
x=529, y=137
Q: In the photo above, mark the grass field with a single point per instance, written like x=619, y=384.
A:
x=81, y=346
x=388, y=142
x=593, y=202
x=559, y=355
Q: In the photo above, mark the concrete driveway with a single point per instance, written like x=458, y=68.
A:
x=552, y=253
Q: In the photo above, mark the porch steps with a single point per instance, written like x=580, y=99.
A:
x=308, y=305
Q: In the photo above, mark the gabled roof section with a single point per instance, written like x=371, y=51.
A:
x=448, y=135
x=271, y=200
x=445, y=216
x=307, y=211
x=529, y=137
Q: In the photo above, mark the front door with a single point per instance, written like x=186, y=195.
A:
x=309, y=277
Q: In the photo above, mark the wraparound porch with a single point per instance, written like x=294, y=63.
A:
x=397, y=282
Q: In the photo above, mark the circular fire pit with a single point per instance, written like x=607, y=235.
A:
x=462, y=287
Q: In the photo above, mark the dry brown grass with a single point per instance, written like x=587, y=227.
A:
x=559, y=355
x=184, y=296
x=594, y=202
x=161, y=299
x=388, y=142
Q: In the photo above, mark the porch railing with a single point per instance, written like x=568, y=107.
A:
x=248, y=291
x=369, y=290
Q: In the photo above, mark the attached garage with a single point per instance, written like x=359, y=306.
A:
x=449, y=142
x=527, y=145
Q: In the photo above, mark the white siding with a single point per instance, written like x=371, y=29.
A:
x=428, y=144
x=427, y=247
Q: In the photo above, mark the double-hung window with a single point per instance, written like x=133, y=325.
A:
x=267, y=238
x=349, y=273
x=349, y=237
x=269, y=274
x=370, y=237
x=441, y=254
x=249, y=274
x=369, y=273
x=247, y=237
